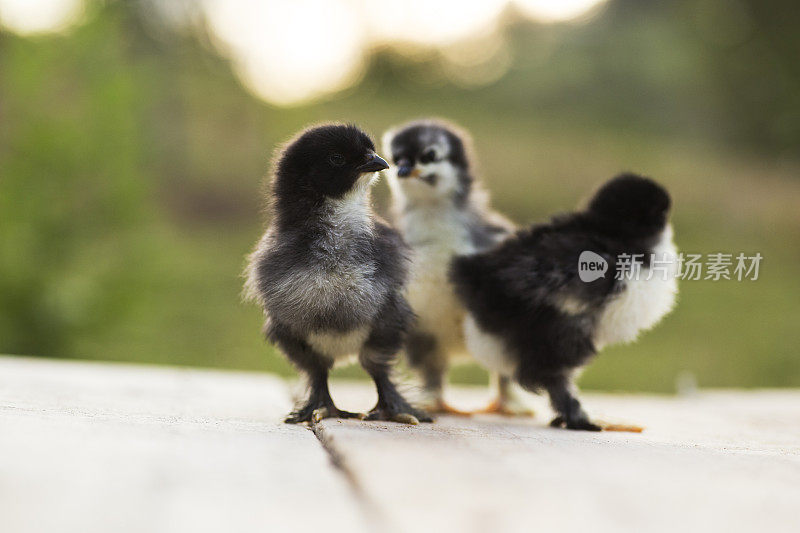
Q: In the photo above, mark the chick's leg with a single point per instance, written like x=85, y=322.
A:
x=379, y=354
x=391, y=405
x=508, y=401
x=426, y=357
x=570, y=413
x=319, y=404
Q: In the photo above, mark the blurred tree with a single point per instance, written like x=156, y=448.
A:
x=107, y=134
x=72, y=193
x=719, y=71
x=755, y=55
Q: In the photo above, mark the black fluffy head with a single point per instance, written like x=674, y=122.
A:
x=433, y=153
x=426, y=141
x=324, y=161
x=630, y=205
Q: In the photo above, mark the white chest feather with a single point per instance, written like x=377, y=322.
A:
x=352, y=211
x=488, y=349
x=435, y=239
x=335, y=276
x=644, y=299
x=337, y=345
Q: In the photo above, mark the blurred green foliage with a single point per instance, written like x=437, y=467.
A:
x=72, y=198
x=131, y=165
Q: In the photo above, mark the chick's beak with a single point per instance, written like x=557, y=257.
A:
x=373, y=164
x=404, y=168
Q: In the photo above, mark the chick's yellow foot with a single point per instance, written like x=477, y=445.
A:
x=595, y=426
x=607, y=426
x=440, y=407
x=506, y=408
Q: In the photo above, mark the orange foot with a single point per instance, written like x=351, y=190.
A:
x=506, y=408
x=620, y=427
x=443, y=408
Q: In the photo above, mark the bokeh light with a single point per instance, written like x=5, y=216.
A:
x=556, y=10
x=429, y=22
x=39, y=16
x=291, y=52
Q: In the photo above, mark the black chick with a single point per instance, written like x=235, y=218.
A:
x=329, y=274
x=530, y=315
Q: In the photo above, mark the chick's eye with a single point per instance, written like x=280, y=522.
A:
x=336, y=160
x=428, y=156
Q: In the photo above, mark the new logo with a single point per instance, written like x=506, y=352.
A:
x=591, y=266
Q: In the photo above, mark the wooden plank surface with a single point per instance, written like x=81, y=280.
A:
x=97, y=447
x=108, y=448
x=722, y=461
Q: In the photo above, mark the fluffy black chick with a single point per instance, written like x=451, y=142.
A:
x=442, y=211
x=329, y=274
x=532, y=316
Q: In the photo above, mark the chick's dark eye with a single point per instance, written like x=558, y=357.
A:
x=428, y=156
x=336, y=160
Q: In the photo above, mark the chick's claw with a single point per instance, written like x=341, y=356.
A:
x=297, y=418
x=328, y=412
x=303, y=414
x=313, y=415
x=421, y=415
x=319, y=414
x=506, y=408
x=403, y=417
x=406, y=418
x=584, y=425
x=577, y=424
x=349, y=414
